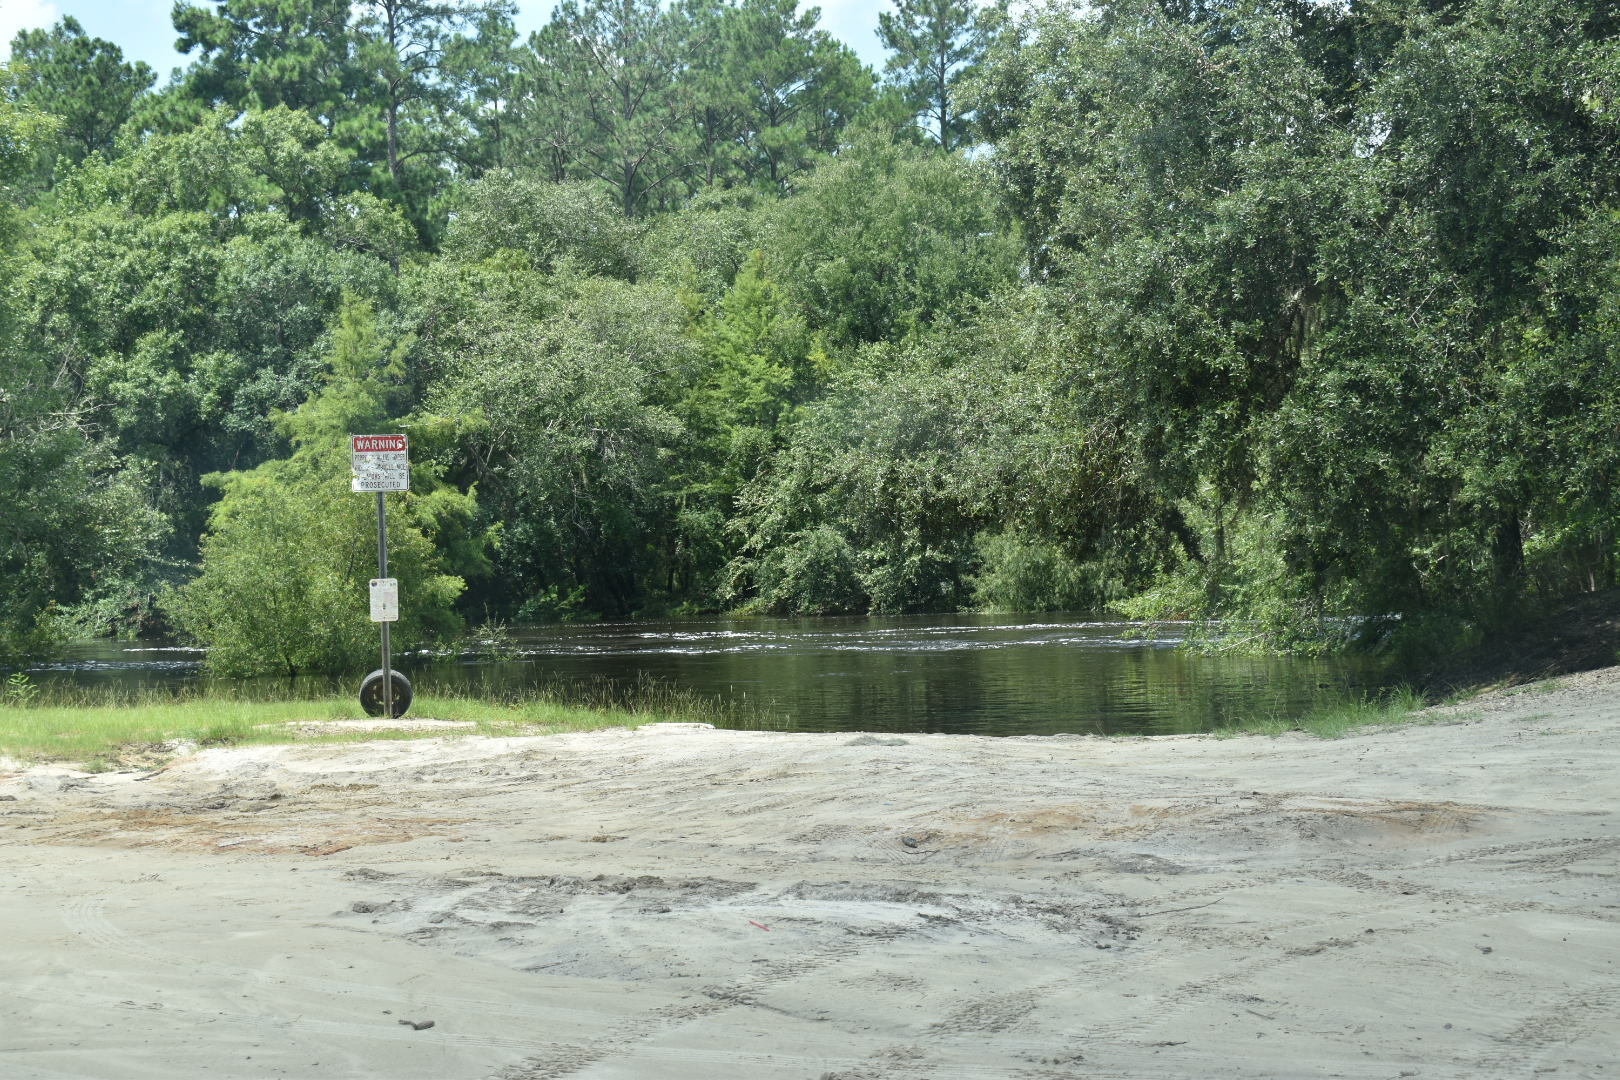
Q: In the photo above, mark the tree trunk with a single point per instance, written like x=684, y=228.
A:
x=393, y=100
x=1508, y=548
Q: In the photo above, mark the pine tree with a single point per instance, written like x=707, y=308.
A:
x=934, y=43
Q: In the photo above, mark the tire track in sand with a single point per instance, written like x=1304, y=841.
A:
x=743, y=993
x=1554, y=1024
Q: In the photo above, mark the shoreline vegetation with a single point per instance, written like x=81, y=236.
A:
x=108, y=737
x=103, y=732
x=148, y=729
x=146, y=733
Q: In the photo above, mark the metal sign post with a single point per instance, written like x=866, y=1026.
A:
x=382, y=574
x=381, y=463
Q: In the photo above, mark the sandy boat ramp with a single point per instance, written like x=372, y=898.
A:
x=1435, y=901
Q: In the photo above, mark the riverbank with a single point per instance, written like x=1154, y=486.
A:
x=962, y=674
x=147, y=734
x=678, y=901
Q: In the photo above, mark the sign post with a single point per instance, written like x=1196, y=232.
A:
x=381, y=463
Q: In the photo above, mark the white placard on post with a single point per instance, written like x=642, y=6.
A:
x=380, y=463
x=385, y=599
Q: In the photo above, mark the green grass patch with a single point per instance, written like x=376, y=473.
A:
x=545, y=716
x=1336, y=719
x=100, y=736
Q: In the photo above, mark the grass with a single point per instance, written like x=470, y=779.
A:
x=101, y=735
x=1336, y=719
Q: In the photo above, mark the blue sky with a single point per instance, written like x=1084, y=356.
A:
x=142, y=28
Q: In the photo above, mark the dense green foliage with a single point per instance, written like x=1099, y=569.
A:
x=289, y=550
x=1267, y=312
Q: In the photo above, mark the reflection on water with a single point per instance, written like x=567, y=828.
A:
x=972, y=674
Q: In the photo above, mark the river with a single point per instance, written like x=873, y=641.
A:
x=973, y=674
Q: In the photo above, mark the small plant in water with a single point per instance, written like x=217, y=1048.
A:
x=20, y=689
x=491, y=639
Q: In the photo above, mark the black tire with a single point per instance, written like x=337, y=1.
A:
x=371, y=693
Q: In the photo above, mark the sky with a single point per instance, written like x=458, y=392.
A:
x=143, y=30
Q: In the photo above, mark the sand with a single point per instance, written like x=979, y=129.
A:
x=679, y=902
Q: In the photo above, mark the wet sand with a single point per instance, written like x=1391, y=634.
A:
x=1437, y=901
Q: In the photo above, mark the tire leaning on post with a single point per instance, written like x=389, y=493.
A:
x=371, y=694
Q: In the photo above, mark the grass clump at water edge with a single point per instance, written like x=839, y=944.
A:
x=87, y=729
x=1337, y=718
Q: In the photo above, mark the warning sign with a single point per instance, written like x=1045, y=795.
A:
x=381, y=463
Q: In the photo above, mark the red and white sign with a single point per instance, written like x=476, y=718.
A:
x=380, y=463
x=367, y=444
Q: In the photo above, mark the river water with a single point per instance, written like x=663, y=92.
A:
x=975, y=674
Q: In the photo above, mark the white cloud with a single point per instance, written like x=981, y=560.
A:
x=18, y=15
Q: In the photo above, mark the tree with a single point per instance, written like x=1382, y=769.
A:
x=77, y=523
x=550, y=224
x=928, y=471
x=936, y=43
x=400, y=47
x=23, y=130
x=772, y=92
x=258, y=54
x=757, y=363
x=372, y=74
x=600, y=97
x=482, y=72
x=81, y=79
x=719, y=100
x=180, y=295
x=289, y=548
x=568, y=433
x=1298, y=248
x=886, y=239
